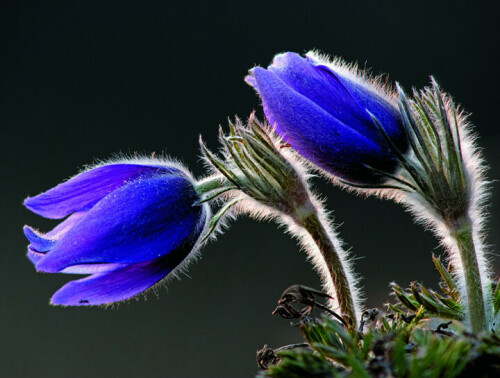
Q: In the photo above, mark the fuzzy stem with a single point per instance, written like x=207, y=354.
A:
x=208, y=184
x=318, y=231
x=463, y=237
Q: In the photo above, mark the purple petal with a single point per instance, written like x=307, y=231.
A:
x=367, y=100
x=44, y=242
x=92, y=268
x=35, y=256
x=326, y=89
x=138, y=222
x=315, y=133
x=38, y=242
x=250, y=80
x=85, y=189
x=115, y=286
x=66, y=225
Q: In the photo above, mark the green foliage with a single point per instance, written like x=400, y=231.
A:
x=409, y=352
x=496, y=298
x=422, y=336
x=495, y=323
x=300, y=363
x=436, y=356
x=330, y=339
x=445, y=305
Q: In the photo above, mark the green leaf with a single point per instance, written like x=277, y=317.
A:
x=404, y=298
x=447, y=278
x=217, y=217
x=496, y=298
x=299, y=363
x=399, y=357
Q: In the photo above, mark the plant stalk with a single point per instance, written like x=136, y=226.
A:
x=208, y=184
x=464, y=239
x=330, y=252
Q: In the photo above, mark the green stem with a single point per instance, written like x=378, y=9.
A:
x=336, y=266
x=209, y=183
x=463, y=236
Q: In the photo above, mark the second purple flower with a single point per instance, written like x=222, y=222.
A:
x=329, y=114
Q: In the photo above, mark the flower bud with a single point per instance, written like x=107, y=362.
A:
x=326, y=112
x=129, y=225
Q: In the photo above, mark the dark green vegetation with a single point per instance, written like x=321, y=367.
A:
x=421, y=336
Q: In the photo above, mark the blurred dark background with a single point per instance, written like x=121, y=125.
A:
x=83, y=80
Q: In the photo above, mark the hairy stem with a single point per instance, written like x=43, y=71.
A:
x=209, y=183
x=337, y=268
x=463, y=237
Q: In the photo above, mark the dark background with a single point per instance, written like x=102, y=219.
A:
x=82, y=80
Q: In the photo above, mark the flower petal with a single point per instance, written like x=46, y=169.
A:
x=85, y=189
x=35, y=256
x=118, y=285
x=369, y=100
x=326, y=89
x=140, y=221
x=92, y=268
x=38, y=242
x=65, y=225
x=44, y=242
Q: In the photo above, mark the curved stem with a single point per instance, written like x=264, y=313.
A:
x=338, y=269
x=462, y=234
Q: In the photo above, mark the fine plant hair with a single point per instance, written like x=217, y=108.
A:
x=260, y=212
x=141, y=159
x=477, y=194
x=286, y=216
x=379, y=84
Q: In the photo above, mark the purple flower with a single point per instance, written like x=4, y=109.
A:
x=128, y=226
x=326, y=112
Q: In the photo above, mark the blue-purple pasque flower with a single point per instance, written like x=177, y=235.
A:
x=128, y=226
x=326, y=111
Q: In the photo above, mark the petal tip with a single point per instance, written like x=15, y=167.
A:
x=250, y=79
x=283, y=58
x=39, y=242
x=36, y=205
x=34, y=256
x=30, y=204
